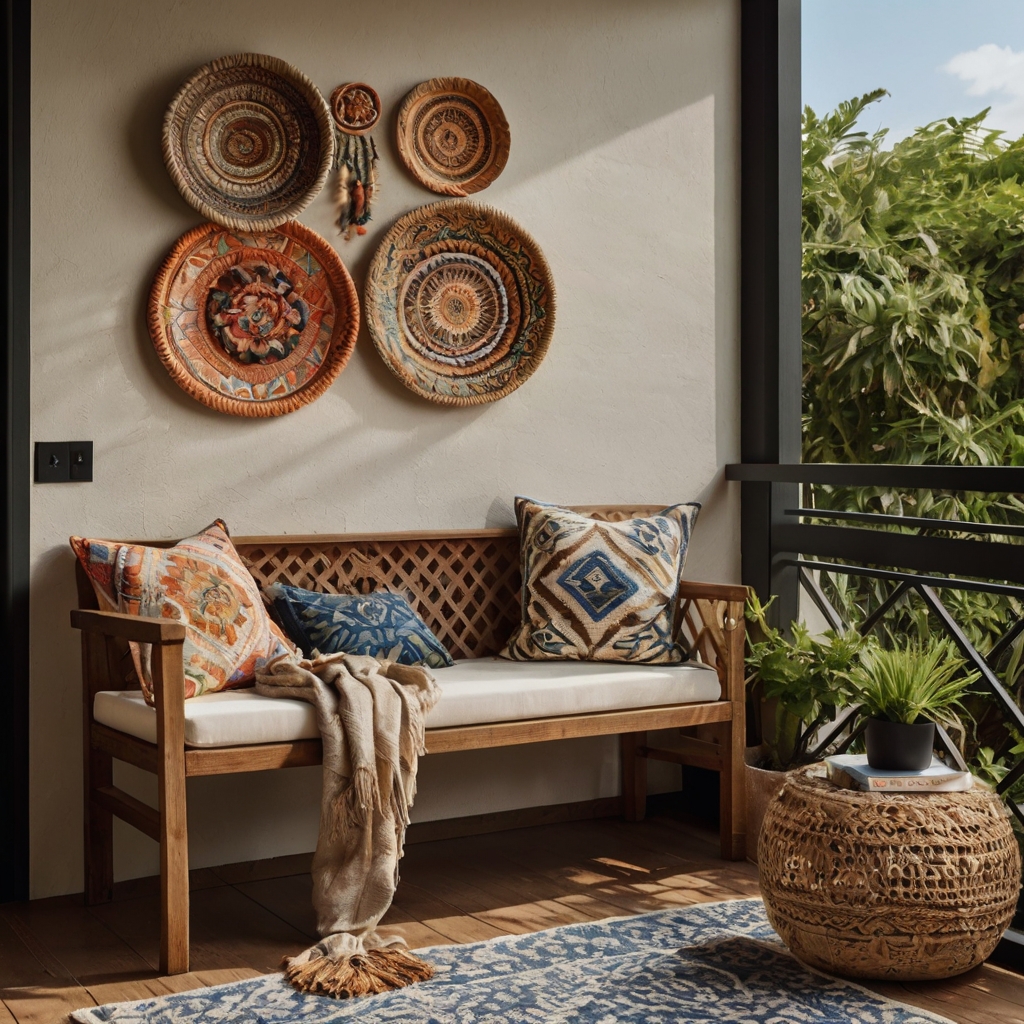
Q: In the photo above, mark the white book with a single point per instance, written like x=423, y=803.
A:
x=852, y=771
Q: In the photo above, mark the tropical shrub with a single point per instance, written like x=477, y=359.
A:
x=913, y=331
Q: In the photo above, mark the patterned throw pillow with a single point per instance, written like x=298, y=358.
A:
x=200, y=581
x=380, y=625
x=597, y=591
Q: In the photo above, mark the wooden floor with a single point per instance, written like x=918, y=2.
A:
x=57, y=955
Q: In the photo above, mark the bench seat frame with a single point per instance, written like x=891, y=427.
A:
x=709, y=623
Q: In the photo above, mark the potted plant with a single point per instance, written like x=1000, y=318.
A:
x=903, y=691
x=795, y=686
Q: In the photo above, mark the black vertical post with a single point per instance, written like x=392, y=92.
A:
x=14, y=414
x=771, y=361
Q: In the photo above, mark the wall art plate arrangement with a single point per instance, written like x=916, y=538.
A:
x=249, y=141
x=460, y=303
x=453, y=136
x=253, y=324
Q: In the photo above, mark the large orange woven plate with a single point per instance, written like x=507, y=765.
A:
x=453, y=136
x=460, y=303
x=249, y=141
x=253, y=324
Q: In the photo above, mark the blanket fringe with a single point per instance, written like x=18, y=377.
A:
x=358, y=974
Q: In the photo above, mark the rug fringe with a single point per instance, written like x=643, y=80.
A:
x=358, y=974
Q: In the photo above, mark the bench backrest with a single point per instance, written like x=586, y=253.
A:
x=465, y=584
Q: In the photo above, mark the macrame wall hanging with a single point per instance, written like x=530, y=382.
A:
x=356, y=109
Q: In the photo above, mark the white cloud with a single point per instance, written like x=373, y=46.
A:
x=996, y=72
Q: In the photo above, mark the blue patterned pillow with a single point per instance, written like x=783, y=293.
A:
x=599, y=591
x=380, y=625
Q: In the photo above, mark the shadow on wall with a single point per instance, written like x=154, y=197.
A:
x=612, y=169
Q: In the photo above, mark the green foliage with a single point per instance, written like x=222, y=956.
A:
x=913, y=292
x=797, y=685
x=913, y=329
x=920, y=679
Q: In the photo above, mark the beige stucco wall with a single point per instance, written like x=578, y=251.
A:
x=624, y=166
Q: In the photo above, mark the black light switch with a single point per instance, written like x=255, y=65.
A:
x=59, y=462
x=80, y=460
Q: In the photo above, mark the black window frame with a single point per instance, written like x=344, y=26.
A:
x=15, y=362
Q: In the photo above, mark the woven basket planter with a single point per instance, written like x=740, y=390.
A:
x=896, y=887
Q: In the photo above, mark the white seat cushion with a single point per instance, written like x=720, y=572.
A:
x=474, y=691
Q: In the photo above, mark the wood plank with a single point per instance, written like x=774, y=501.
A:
x=85, y=948
x=257, y=870
x=169, y=697
x=939, y=998
x=634, y=775
x=137, y=814
x=258, y=758
x=289, y=897
x=34, y=986
x=124, y=747
x=25, y=963
x=36, y=1005
x=299, y=753
x=603, y=723
x=991, y=979
x=149, y=885
x=444, y=918
x=98, y=771
x=228, y=930
x=504, y=821
x=137, y=628
x=705, y=756
x=320, y=539
x=712, y=591
x=6, y=1017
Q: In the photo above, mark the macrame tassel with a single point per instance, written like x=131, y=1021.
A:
x=356, y=183
x=357, y=974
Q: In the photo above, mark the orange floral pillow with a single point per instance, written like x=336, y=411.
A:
x=200, y=581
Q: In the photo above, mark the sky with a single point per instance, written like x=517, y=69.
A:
x=937, y=58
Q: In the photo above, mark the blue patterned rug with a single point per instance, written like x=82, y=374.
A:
x=715, y=962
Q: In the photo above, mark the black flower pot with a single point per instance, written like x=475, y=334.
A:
x=896, y=746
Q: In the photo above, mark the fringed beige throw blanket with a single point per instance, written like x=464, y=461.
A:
x=370, y=715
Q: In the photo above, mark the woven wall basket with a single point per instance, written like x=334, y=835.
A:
x=895, y=887
x=254, y=324
x=453, y=136
x=249, y=141
x=460, y=303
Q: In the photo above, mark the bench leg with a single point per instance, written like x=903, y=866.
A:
x=99, y=830
x=732, y=791
x=169, y=691
x=97, y=772
x=634, y=776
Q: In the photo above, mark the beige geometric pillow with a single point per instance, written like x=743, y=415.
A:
x=597, y=591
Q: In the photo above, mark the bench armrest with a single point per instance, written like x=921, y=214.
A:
x=713, y=591
x=712, y=628
x=129, y=627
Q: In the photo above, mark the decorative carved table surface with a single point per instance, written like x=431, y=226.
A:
x=889, y=886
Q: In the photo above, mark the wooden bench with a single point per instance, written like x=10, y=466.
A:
x=465, y=585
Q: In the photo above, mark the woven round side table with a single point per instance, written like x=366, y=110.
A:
x=897, y=886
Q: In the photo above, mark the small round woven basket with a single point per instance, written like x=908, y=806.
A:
x=896, y=887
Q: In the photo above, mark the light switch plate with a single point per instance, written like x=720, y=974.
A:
x=61, y=462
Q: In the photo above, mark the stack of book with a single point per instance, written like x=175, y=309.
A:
x=852, y=771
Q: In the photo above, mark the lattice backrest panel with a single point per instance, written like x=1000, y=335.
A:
x=465, y=588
